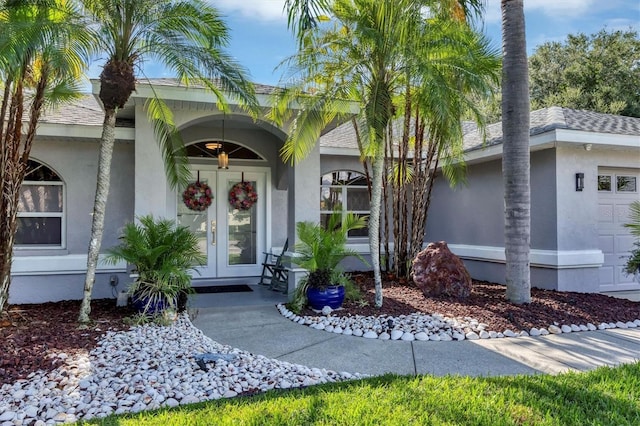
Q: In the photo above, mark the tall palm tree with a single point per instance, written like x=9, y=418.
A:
x=364, y=57
x=43, y=49
x=515, y=157
x=188, y=37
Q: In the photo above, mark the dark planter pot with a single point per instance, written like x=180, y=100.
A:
x=332, y=297
x=140, y=303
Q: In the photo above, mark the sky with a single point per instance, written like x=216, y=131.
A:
x=260, y=39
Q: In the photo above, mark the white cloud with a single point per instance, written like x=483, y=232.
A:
x=551, y=8
x=262, y=10
x=620, y=24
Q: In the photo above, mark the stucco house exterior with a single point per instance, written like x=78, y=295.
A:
x=577, y=237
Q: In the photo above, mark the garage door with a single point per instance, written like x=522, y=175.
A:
x=617, y=188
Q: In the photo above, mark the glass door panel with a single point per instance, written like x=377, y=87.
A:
x=242, y=229
x=242, y=235
x=202, y=224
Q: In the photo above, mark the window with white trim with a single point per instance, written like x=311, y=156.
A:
x=40, y=208
x=618, y=183
x=345, y=191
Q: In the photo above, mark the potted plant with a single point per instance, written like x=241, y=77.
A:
x=162, y=254
x=633, y=262
x=320, y=250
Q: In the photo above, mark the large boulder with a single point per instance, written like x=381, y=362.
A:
x=437, y=271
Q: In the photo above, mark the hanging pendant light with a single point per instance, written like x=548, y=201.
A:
x=223, y=157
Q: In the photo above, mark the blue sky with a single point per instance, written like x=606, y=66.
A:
x=260, y=39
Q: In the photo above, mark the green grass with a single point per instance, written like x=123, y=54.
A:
x=606, y=396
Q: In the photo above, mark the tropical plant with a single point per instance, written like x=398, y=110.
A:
x=162, y=254
x=515, y=157
x=633, y=262
x=43, y=49
x=320, y=250
x=186, y=36
x=367, y=55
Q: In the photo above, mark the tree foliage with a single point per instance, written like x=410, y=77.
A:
x=600, y=72
x=43, y=52
x=376, y=53
x=189, y=38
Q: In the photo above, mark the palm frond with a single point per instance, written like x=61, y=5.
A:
x=634, y=217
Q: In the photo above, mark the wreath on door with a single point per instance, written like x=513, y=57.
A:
x=242, y=196
x=198, y=196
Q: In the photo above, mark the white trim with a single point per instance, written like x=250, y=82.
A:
x=553, y=259
x=333, y=150
x=82, y=131
x=596, y=138
x=59, y=265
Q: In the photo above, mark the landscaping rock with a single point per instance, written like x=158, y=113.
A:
x=437, y=271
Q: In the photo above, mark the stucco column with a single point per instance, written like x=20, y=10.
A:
x=152, y=192
x=303, y=203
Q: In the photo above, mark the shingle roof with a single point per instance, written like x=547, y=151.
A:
x=542, y=121
x=553, y=118
x=86, y=111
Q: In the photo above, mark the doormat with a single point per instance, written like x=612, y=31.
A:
x=236, y=288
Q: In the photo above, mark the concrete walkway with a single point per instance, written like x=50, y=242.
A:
x=262, y=330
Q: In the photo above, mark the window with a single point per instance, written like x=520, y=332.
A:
x=626, y=183
x=604, y=183
x=345, y=191
x=40, y=208
x=623, y=183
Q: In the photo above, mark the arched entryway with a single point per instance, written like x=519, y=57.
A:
x=233, y=238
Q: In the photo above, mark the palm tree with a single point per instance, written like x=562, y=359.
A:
x=43, y=49
x=187, y=36
x=364, y=57
x=515, y=158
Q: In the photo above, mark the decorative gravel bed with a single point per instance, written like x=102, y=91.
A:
x=145, y=368
x=407, y=314
x=435, y=327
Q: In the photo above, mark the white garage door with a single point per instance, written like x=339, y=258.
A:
x=617, y=188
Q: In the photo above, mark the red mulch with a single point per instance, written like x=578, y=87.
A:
x=488, y=305
x=30, y=334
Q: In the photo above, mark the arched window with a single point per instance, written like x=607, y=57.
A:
x=40, y=208
x=346, y=191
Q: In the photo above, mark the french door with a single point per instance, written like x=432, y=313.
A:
x=232, y=239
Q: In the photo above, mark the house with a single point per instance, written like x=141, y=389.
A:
x=585, y=171
x=576, y=237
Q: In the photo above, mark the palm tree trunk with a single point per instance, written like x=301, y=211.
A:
x=97, y=226
x=516, y=161
x=374, y=222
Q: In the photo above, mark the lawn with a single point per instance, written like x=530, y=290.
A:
x=606, y=396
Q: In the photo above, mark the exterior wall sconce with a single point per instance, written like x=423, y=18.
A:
x=579, y=181
x=588, y=146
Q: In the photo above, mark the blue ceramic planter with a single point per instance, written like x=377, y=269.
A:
x=332, y=296
x=139, y=304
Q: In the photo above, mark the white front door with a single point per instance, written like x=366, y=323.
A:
x=231, y=239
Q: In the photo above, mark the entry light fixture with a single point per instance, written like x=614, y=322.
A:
x=223, y=160
x=579, y=181
x=213, y=146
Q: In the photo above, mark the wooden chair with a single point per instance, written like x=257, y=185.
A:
x=274, y=274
